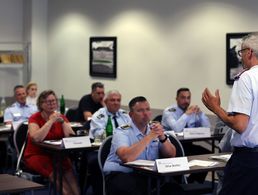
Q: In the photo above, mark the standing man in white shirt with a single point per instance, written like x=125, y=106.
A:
x=241, y=172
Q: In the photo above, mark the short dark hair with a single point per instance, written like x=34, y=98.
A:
x=135, y=100
x=182, y=89
x=96, y=85
x=43, y=96
x=17, y=87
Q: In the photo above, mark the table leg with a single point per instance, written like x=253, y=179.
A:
x=55, y=176
x=60, y=174
x=158, y=186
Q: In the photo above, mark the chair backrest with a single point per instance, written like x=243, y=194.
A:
x=157, y=118
x=20, y=137
x=102, y=156
x=179, y=153
x=72, y=115
x=179, y=148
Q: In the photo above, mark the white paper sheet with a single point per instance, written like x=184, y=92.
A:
x=53, y=142
x=142, y=163
x=224, y=157
x=202, y=163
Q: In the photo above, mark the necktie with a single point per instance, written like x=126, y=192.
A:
x=115, y=121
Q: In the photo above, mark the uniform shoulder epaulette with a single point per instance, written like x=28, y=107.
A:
x=171, y=109
x=124, y=112
x=125, y=126
x=100, y=116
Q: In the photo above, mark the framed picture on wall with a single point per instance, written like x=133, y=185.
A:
x=103, y=56
x=234, y=62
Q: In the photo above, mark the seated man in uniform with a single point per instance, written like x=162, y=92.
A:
x=90, y=103
x=183, y=115
x=133, y=141
x=98, y=124
x=112, y=109
x=19, y=111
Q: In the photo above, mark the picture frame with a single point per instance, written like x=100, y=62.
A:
x=103, y=54
x=233, y=61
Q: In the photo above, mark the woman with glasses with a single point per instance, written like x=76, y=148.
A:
x=47, y=124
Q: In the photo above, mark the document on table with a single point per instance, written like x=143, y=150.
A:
x=148, y=163
x=224, y=157
x=202, y=163
x=53, y=142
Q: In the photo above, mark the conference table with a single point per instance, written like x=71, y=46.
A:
x=152, y=172
x=59, y=153
x=14, y=184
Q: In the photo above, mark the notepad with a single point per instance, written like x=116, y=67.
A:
x=53, y=142
x=224, y=157
x=202, y=163
x=149, y=163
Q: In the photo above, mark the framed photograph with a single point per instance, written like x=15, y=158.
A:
x=234, y=62
x=103, y=56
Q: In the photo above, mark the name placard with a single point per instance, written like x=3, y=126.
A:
x=76, y=142
x=172, y=164
x=197, y=132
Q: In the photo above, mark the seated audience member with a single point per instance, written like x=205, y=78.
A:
x=47, y=124
x=136, y=141
x=99, y=119
x=20, y=110
x=98, y=124
x=90, y=103
x=182, y=115
x=31, y=90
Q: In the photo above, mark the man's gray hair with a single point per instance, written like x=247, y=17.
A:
x=251, y=41
x=111, y=92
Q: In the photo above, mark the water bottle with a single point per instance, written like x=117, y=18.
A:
x=2, y=107
x=62, y=105
x=109, y=127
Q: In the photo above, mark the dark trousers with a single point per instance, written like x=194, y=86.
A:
x=192, y=149
x=89, y=169
x=118, y=183
x=241, y=174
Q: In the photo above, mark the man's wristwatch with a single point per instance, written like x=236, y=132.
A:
x=163, y=140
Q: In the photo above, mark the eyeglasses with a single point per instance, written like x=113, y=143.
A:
x=239, y=52
x=49, y=102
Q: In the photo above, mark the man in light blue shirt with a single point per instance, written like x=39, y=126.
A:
x=138, y=140
x=98, y=125
x=19, y=111
x=112, y=109
x=182, y=115
x=241, y=172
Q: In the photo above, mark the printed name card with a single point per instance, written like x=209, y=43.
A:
x=197, y=132
x=76, y=142
x=172, y=164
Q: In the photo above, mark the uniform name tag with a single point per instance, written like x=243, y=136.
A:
x=197, y=132
x=76, y=142
x=172, y=164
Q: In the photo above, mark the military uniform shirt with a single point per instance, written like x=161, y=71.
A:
x=17, y=112
x=126, y=136
x=99, y=121
x=174, y=118
x=244, y=99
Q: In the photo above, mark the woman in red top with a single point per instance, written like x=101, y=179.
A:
x=47, y=124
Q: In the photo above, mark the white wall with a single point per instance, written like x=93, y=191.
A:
x=11, y=38
x=161, y=46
